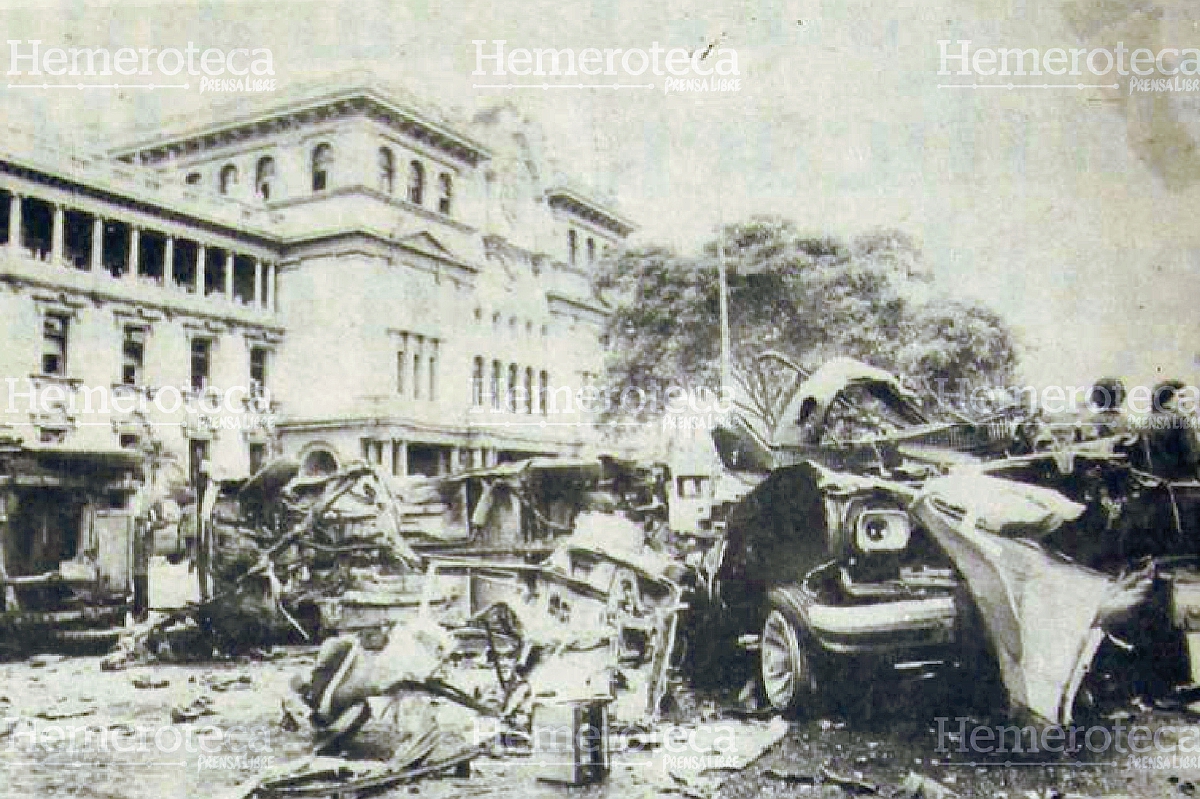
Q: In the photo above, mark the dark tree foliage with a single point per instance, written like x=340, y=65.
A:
x=807, y=298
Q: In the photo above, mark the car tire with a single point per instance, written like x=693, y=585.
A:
x=787, y=666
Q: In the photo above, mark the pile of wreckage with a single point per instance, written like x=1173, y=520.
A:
x=528, y=593
x=868, y=536
x=1059, y=556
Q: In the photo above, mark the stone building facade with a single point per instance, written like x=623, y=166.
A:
x=341, y=270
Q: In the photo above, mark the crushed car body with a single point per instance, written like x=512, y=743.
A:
x=825, y=566
x=1062, y=563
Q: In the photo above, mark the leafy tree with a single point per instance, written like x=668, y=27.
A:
x=805, y=298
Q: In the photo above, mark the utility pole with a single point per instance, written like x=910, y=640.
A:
x=726, y=376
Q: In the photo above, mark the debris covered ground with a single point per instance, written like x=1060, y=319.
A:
x=826, y=756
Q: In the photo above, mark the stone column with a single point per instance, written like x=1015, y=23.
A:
x=259, y=268
x=400, y=458
x=57, y=233
x=229, y=275
x=455, y=460
x=169, y=262
x=14, y=222
x=201, y=259
x=97, y=243
x=269, y=288
x=135, y=239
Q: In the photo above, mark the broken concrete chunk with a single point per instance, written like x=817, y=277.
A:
x=918, y=786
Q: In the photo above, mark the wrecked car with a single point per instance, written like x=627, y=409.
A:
x=1082, y=568
x=602, y=620
x=277, y=554
x=523, y=505
x=853, y=417
x=828, y=570
x=1067, y=576
x=883, y=541
x=67, y=545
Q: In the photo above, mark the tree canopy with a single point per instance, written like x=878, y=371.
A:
x=807, y=298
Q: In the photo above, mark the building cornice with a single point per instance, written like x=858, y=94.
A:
x=65, y=285
x=373, y=243
x=558, y=298
x=335, y=103
x=576, y=202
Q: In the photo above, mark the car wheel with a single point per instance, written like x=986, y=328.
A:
x=787, y=667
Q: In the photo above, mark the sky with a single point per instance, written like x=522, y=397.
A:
x=1073, y=213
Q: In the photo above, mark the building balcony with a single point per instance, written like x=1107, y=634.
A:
x=37, y=268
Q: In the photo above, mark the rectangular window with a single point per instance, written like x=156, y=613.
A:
x=433, y=376
x=201, y=362
x=416, y=367
x=258, y=456
x=477, y=383
x=54, y=344
x=197, y=455
x=497, y=377
x=258, y=369
x=514, y=389
x=133, y=355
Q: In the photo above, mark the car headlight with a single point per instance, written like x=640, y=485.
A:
x=882, y=531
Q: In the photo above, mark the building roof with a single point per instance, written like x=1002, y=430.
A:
x=357, y=92
x=22, y=149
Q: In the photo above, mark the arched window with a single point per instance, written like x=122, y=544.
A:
x=227, y=179
x=322, y=160
x=591, y=251
x=572, y=247
x=445, y=193
x=528, y=399
x=264, y=175
x=319, y=462
x=416, y=182
x=387, y=170
x=543, y=391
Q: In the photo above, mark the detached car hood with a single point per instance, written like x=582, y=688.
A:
x=1039, y=610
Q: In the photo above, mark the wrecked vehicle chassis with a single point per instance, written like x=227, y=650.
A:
x=606, y=621
x=1051, y=578
x=828, y=571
